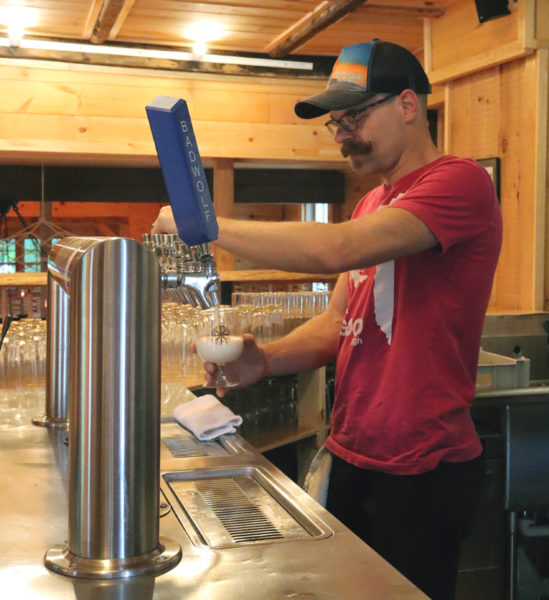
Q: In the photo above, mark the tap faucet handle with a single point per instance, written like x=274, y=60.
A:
x=204, y=249
x=209, y=264
x=180, y=253
x=157, y=242
x=201, y=252
x=204, y=259
x=181, y=247
x=170, y=250
x=195, y=253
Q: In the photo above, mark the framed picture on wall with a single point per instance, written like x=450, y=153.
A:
x=492, y=166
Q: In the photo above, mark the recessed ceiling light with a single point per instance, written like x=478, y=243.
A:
x=204, y=31
x=17, y=19
x=23, y=16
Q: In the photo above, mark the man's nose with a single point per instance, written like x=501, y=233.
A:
x=342, y=136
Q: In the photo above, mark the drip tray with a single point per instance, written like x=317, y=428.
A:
x=223, y=508
x=182, y=444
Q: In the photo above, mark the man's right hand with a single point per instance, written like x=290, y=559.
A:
x=165, y=223
x=250, y=367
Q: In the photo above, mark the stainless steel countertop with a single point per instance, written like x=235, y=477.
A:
x=33, y=518
x=535, y=394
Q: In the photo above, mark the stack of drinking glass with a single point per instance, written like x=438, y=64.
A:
x=291, y=308
x=179, y=323
x=23, y=354
x=22, y=372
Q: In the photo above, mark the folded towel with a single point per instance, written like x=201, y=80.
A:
x=318, y=477
x=206, y=417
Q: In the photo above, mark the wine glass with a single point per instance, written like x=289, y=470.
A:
x=219, y=339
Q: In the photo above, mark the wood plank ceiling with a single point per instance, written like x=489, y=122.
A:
x=275, y=28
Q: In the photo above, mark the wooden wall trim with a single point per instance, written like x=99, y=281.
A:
x=223, y=190
x=427, y=46
x=542, y=24
x=448, y=112
x=491, y=58
x=245, y=275
x=541, y=269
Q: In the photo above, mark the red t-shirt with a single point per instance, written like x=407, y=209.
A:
x=409, y=344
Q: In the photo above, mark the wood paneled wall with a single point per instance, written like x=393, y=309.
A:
x=494, y=114
x=495, y=105
x=56, y=113
x=457, y=44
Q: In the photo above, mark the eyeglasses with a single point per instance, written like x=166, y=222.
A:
x=349, y=122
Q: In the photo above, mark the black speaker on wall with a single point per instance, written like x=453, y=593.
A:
x=490, y=9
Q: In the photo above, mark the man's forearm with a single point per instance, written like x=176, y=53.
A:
x=289, y=246
x=307, y=347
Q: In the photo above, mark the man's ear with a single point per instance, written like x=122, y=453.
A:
x=410, y=104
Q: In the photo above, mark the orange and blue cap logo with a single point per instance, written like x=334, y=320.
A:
x=352, y=64
x=351, y=73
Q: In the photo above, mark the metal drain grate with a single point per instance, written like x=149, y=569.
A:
x=185, y=447
x=243, y=520
x=182, y=444
x=235, y=507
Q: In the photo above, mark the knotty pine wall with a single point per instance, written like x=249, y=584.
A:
x=498, y=112
x=59, y=113
x=495, y=84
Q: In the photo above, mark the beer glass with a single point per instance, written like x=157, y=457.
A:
x=219, y=339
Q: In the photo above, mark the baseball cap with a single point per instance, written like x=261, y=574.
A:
x=362, y=71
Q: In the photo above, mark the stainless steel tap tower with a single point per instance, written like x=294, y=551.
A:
x=57, y=357
x=104, y=307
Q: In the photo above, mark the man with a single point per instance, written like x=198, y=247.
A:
x=404, y=322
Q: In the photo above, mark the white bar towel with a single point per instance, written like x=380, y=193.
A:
x=318, y=478
x=206, y=417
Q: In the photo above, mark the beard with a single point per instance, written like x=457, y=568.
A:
x=349, y=148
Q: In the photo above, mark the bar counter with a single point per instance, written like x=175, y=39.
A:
x=310, y=556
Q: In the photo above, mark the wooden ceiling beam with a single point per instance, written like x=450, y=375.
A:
x=122, y=16
x=324, y=14
x=406, y=11
x=108, y=18
x=91, y=19
x=329, y=12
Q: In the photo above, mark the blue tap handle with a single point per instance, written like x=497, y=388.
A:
x=182, y=169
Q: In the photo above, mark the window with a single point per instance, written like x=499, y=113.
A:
x=316, y=212
x=31, y=255
x=23, y=255
x=7, y=256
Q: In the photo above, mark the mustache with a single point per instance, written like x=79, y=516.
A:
x=349, y=147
